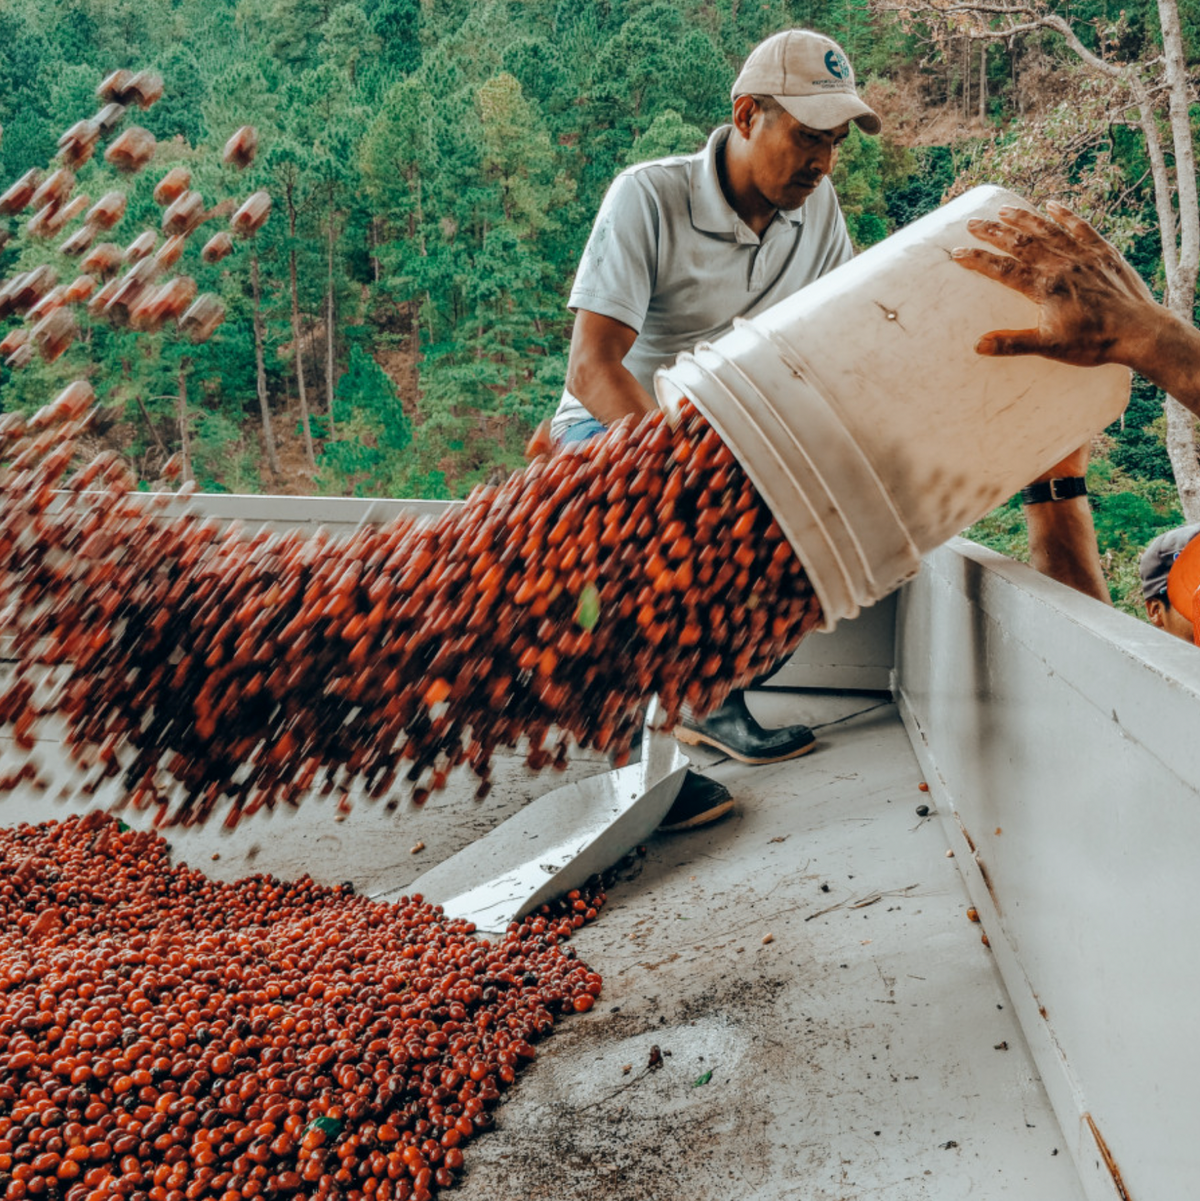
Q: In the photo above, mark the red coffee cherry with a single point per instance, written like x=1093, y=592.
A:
x=241, y=147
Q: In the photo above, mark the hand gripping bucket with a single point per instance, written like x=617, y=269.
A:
x=865, y=418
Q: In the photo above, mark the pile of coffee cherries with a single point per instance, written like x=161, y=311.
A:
x=165, y=1037
x=126, y=286
x=205, y=663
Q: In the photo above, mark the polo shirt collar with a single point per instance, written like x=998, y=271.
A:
x=711, y=212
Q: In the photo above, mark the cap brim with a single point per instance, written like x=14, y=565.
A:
x=1184, y=579
x=828, y=112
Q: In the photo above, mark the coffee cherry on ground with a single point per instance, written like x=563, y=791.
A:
x=207, y=666
x=161, y=1032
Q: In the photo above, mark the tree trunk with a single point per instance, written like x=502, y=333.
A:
x=297, y=353
x=162, y=448
x=1181, y=283
x=185, y=442
x=966, y=74
x=983, y=81
x=1181, y=449
x=310, y=337
x=329, y=328
x=260, y=363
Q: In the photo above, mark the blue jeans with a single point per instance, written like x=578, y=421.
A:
x=581, y=431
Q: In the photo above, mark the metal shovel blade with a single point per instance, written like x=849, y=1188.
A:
x=558, y=841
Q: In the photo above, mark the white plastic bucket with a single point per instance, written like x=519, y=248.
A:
x=865, y=418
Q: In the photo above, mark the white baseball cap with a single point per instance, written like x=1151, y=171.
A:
x=810, y=77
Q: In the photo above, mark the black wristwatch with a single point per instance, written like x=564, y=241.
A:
x=1060, y=489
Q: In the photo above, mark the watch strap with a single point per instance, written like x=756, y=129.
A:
x=1057, y=489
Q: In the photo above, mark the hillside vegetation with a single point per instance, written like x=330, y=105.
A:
x=435, y=168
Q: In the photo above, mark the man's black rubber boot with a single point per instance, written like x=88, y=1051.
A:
x=733, y=731
x=699, y=802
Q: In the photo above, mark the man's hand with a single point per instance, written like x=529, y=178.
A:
x=1093, y=307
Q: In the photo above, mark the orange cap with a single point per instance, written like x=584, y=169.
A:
x=1184, y=580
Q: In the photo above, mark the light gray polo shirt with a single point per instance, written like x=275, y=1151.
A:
x=670, y=258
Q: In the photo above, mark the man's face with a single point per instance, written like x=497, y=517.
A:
x=1161, y=614
x=788, y=159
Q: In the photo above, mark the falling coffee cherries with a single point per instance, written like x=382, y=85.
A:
x=204, y=666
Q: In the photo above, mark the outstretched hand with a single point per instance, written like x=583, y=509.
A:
x=1092, y=304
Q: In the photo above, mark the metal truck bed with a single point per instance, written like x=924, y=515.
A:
x=831, y=1024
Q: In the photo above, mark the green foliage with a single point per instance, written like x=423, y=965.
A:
x=669, y=135
x=858, y=178
x=372, y=428
x=1140, y=448
x=435, y=170
x=931, y=173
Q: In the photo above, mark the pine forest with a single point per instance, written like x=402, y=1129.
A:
x=398, y=326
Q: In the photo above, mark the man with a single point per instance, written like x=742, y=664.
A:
x=1093, y=308
x=681, y=246
x=1169, y=581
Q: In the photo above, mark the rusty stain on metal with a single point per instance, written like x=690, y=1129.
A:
x=987, y=879
x=1111, y=1164
x=970, y=840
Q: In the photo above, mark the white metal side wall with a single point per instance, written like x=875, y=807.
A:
x=1061, y=740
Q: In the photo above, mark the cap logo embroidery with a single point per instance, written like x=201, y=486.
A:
x=837, y=65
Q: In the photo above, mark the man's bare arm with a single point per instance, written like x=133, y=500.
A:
x=596, y=374
x=1062, y=535
x=1093, y=307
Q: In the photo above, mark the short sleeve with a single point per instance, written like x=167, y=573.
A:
x=836, y=238
x=617, y=272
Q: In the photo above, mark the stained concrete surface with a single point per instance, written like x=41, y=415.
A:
x=812, y=952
